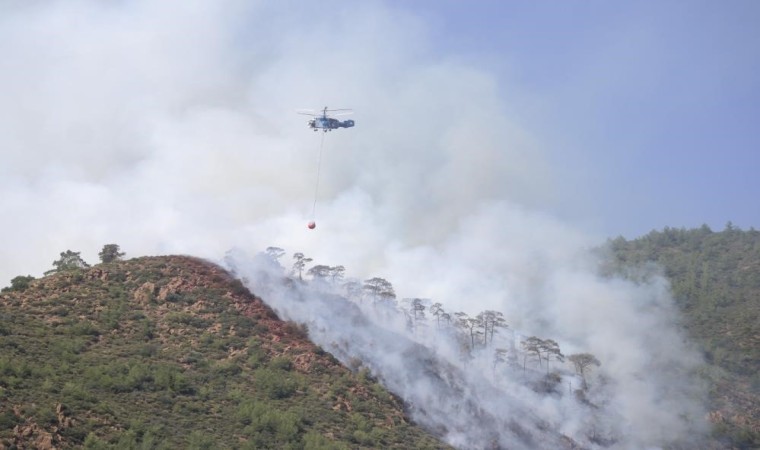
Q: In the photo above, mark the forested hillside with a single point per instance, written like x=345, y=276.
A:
x=715, y=279
x=172, y=352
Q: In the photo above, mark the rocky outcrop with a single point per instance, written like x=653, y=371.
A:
x=30, y=435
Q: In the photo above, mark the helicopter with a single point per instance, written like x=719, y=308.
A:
x=326, y=123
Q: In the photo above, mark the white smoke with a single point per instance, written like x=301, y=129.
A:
x=157, y=126
x=169, y=127
x=643, y=396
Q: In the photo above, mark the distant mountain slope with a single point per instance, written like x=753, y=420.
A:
x=715, y=279
x=171, y=352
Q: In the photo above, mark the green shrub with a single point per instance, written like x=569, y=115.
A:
x=76, y=395
x=267, y=426
x=239, y=289
x=49, y=386
x=135, y=315
x=12, y=367
x=227, y=368
x=281, y=363
x=194, y=358
x=113, y=315
x=174, y=298
x=183, y=318
x=315, y=441
x=298, y=330
x=74, y=435
x=8, y=420
x=148, y=329
x=148, y=350
x=241, y=325
x=45, y=416
x=117, y=292
x=92, y=442
x=70, y=347
x=256, y=359
x=19, y=284
x=84, y=329
x=359, y=422
x=199, y=441
x=171, y=378
x=362, y=438
x=274, y=383
x=139, y=376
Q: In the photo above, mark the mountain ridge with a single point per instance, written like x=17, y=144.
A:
x=139, y=336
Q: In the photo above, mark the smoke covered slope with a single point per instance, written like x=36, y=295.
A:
x=476, y=398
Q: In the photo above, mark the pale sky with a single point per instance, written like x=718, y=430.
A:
x=649, y=110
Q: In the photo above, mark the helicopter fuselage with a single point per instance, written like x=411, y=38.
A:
x=328, y=123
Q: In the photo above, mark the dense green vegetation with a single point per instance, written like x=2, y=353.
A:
x=171, y=353
x=715, y=280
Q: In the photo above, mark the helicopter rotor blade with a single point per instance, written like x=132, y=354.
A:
x=307, y=112
x=324, y=112
x=340, y=111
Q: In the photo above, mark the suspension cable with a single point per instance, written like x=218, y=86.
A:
x=319, y=169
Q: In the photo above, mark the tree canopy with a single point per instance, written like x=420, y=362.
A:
x=69, y=261
x=110, y=253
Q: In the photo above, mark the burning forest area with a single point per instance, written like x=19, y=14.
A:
x=471, y=377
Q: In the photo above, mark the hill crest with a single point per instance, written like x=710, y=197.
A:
x=172, y=351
